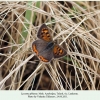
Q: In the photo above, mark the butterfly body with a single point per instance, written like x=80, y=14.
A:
x=44, y=47
x=49, y=46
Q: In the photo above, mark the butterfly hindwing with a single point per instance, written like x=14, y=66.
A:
x=46, y=55
x=44, y=33
x=58, y=51
x=39, y=47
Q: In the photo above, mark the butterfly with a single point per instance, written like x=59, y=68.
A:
x=44, y=47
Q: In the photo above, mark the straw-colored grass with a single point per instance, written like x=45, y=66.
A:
x=73, y=25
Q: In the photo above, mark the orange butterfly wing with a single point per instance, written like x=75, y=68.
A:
x=44, y=34
x=58, y=51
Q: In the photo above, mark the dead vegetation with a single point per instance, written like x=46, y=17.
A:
x=74, y=25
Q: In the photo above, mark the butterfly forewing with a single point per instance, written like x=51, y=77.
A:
x=44, y=33
x=58, y=51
